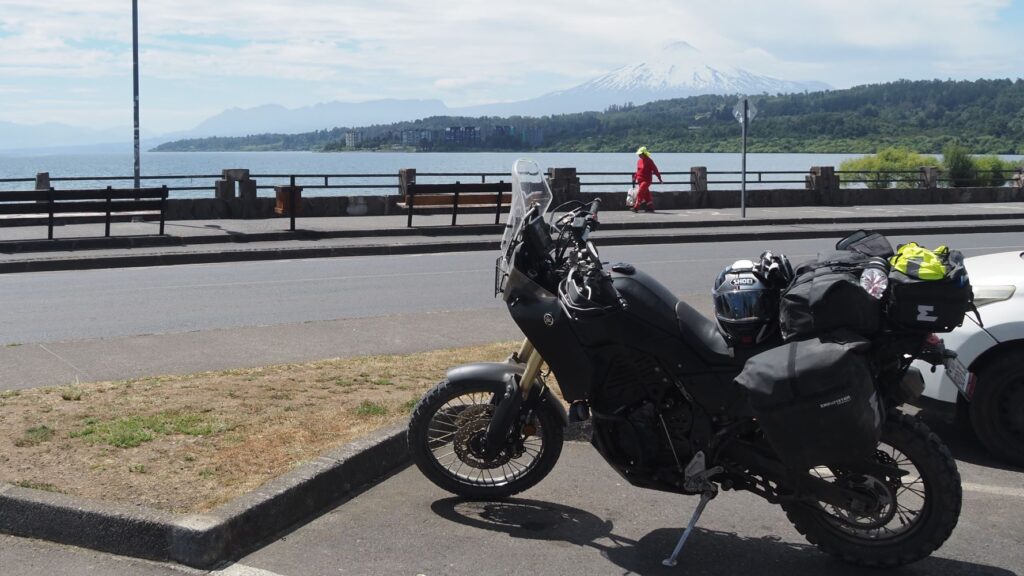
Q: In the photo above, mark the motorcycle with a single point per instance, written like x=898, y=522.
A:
x=657, y=380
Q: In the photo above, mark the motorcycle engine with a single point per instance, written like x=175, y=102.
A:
x=660, y=433
x=650, y=412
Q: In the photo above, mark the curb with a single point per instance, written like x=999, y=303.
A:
x=86, y=263
x=809, y=221
x=115, y=242
x=256, y=254
x=154, y=241
x=227, y=532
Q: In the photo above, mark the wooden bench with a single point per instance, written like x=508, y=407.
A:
x=457, y=195
x=84, y=204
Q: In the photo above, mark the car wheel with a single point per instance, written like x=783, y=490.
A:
x=997, y=408
x=963, y=417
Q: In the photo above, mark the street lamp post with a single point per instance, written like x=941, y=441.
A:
x=135, y=78
x=744, y=112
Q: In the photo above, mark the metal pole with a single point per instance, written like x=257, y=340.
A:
x=292, y=202
x=743, y=184
x=135, y=77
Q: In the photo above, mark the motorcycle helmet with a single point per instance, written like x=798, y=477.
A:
x=746, y=305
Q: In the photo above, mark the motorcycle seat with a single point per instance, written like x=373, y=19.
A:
x=703, y=336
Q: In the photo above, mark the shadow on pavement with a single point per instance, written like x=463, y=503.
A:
x=707, y=551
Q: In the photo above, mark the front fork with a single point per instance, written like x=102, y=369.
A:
x=517, y=390
x=528, y=354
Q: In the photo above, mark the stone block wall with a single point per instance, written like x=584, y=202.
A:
x=212, y=208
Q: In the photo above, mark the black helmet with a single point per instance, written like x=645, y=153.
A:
x=746, y=304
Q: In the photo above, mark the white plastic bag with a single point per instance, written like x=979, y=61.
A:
x=631, y=197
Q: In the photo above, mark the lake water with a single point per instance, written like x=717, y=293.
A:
x=210, y=164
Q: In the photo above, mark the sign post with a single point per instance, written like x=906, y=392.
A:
x=135, y=82
x=744, y=112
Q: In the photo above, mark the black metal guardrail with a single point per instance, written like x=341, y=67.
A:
x=372, y=184
x=388, y=184
x=717, y=179
x=782, y=179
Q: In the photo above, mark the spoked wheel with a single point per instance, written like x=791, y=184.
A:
x=909, y=517
x=446, y=435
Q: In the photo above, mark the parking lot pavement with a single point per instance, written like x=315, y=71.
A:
x=584, y=519
x=24, y=557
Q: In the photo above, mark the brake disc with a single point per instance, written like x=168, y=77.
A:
x=472, y=426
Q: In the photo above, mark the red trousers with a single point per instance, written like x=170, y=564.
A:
x=643, y=195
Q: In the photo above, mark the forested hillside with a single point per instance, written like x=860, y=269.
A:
x=985, y=116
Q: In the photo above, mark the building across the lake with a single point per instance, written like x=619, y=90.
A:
x=417, y=137
x=353, y=139
x=462, y=135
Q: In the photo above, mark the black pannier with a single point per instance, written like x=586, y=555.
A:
x=826, y=295
x=815, y=401
x=930, y=305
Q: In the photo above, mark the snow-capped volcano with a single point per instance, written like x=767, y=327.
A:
x=680, y=70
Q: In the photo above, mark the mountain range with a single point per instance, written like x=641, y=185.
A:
x=57, y=137
x=678, y=71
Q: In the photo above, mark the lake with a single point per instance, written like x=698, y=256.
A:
x=210, y=164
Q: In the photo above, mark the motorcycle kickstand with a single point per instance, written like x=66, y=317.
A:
x=705, y=497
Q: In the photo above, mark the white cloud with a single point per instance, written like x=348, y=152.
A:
x=473, y=51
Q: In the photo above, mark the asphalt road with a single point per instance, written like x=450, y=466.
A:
x=59, y=328
x=583, y=519
x=80, y=305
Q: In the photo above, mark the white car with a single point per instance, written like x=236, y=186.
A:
x=986, y=380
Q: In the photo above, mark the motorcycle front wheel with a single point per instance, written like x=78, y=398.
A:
x=914, y=514
x=445, y=434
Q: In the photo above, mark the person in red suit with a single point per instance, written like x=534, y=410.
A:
x=645, y=170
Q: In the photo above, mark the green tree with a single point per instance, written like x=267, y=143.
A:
x=984, y=116
x=899, y=166
x=960, y=167
x=992, y=170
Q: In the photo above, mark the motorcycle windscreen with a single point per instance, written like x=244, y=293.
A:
x=528, y=187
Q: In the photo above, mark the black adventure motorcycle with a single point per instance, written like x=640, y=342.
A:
x=657, y=379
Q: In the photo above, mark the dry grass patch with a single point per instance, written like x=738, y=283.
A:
x=189, y=443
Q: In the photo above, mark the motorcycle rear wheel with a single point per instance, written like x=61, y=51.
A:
x=917, y=514
x=444, y=438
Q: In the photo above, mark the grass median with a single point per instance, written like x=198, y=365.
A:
x=189, y=443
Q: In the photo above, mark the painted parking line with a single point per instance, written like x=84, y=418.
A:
x=243, y=570
x=994, y=490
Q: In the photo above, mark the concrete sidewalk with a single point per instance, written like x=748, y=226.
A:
x=25, y=248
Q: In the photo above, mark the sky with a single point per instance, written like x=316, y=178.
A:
x=70, y=61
